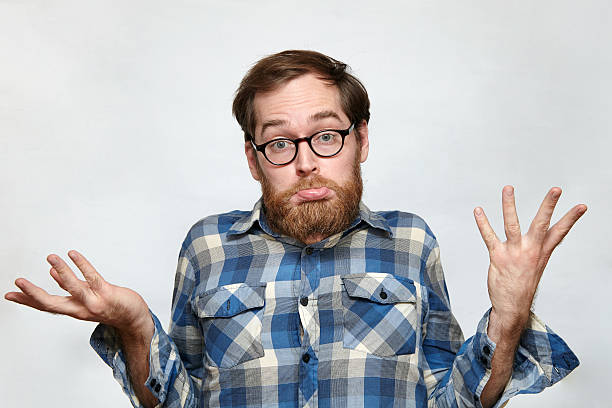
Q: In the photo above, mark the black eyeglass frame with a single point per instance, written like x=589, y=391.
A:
x=262, y=147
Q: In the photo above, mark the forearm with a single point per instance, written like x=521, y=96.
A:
x=135, y=345
x=506, y=334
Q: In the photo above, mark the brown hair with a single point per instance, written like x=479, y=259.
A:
x=277, y=69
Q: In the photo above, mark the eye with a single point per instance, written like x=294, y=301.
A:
x=326, y=138
x=279, y=145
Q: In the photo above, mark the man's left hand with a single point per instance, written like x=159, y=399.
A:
x=516, y=265
x=515, y=269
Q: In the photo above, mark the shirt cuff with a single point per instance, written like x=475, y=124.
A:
x=107, y=344
x=541, y=360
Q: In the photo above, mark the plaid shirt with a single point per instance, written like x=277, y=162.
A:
x=361, y=318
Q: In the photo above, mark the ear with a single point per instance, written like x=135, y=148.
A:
x=361, y=131
x=251, y=155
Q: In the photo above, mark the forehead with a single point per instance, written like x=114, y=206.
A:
x=296, y=101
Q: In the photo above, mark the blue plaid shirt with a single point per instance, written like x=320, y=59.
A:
x=361, y=318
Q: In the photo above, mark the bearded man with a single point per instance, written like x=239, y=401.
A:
x=310, y=299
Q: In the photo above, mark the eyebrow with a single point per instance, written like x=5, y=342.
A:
x=272, y=123
x=312, y=118
x=323, y=115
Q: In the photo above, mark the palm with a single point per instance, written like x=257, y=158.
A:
x=93, y=299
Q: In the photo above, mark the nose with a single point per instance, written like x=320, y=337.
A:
x=306, y=162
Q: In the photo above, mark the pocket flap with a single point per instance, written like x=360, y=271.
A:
x=380, y=287
x=229, y=300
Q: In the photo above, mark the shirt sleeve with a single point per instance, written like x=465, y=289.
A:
x=175, y=359
x=457, y=370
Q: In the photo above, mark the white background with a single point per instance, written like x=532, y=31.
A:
x=117, y=136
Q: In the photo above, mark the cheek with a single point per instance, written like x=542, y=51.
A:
x=279, y=179
x=340, y=169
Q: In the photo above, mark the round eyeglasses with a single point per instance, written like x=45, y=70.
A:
x=324, y=143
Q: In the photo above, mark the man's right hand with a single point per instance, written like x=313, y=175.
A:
x=93, y=299
x=97, y=300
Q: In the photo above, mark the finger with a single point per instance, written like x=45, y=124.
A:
x=39, y=299
x=558, y=231
x=486, y=232
x=90, y=274
x=31, y=295
x=541, y=222
x=23, y=299
x=511, y=221
x=57, y=278
x=69, y=280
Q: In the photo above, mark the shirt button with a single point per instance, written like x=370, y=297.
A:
x=383, y=294
x=157, y=387
x=306, y=358
x=486, y=350
x=309, y=251
x=304, y=301
x=152, y=382
x=484, y=361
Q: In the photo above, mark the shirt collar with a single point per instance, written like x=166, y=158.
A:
x=245, y=223
x=373, y=219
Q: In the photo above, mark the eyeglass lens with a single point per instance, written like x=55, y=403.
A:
x=282, y=151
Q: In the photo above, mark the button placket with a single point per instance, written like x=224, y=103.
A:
x=307, y=303
x=309, y=317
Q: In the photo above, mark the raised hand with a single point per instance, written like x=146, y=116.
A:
x=516, y=265
x=93, y=299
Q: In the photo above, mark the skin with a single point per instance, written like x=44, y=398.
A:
x=516, y=265
x=96, y=300
x=515, y=269
x=295, y=105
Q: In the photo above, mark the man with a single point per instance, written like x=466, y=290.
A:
x=311, y=299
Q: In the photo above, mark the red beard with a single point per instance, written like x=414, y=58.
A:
x=313, y=219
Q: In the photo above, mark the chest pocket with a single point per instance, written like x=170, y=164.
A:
x=380, y=314
x=231, y=319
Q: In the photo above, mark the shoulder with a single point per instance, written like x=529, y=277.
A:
x=209, y=232
x=409, y=226
x=402, y=223
x=217, y=223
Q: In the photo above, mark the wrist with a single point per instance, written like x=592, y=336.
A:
x=128, y=314
x=506, y=327
x=140, y=330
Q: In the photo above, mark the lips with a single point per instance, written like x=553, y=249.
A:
x=312, y=194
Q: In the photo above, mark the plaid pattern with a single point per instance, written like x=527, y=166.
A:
x=360, y=319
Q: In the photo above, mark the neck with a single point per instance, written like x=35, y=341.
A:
x=313, y=239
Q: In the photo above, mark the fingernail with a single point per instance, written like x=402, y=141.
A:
x=478, y=211
x=72, y=254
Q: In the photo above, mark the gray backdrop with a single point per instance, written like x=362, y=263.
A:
x=117, y=136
